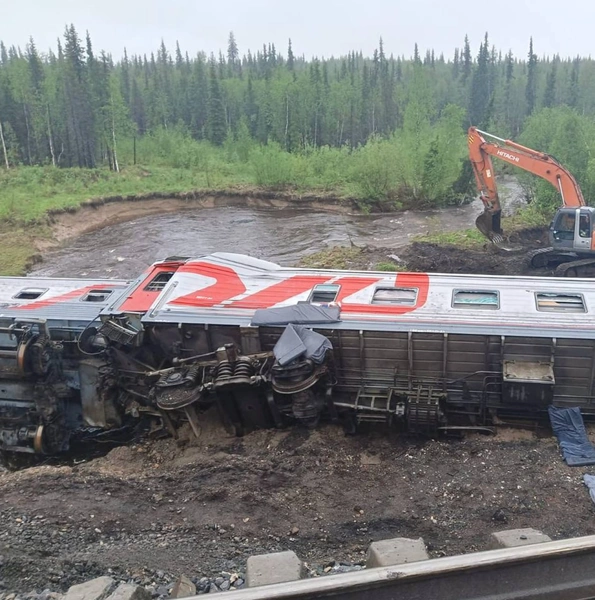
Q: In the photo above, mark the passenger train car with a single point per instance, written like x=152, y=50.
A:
x=271, y=346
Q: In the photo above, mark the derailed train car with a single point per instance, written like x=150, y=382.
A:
x=272, y=346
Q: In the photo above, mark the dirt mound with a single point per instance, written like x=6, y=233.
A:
x=489, y=260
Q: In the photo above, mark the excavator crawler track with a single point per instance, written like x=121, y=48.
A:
x=539, y=258
x=576, y=268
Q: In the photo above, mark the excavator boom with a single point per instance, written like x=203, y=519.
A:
x=538, y=163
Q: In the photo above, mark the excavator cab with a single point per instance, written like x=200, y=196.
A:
x=573, y=228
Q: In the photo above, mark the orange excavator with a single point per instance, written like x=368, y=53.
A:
x=572, y=231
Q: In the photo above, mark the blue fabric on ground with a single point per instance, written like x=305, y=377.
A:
x=569, y=428
x=590, y=483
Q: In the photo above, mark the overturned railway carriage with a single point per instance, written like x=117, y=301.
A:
x=272, y=346
x=47, y=383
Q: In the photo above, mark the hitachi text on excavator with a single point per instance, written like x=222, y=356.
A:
x=572, y=231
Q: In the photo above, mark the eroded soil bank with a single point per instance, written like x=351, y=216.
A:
x=104, y=212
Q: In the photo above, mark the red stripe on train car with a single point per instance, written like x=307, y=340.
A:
x=279, y=292
x=73, y=295
x=227, y=285
x=421, y=281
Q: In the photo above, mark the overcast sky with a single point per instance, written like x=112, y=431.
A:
x=316, y=27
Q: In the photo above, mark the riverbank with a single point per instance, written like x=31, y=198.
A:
x=68, y=212
x=26, y=234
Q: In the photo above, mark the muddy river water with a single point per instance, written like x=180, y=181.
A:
x=280, y=235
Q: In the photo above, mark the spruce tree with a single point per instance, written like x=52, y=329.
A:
x=234, y=64
x=290, y=57
x=549, y=96
x=467, y=61
x=479, y=98
x=573, y=89
x=531, y=89
x=216, y=117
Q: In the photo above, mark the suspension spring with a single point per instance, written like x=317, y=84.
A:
x=243, y=368
x=224, y=369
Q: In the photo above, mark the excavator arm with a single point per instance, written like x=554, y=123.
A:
x=538, y=163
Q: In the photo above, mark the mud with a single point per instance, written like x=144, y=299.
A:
x=441, y=258
x=201, y=508
x=488, y=260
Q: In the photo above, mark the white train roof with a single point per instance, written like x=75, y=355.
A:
x=57, y=298
x=227, y=289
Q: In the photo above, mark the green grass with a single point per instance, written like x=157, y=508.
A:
x=337, y=257
x=531, y=216
x=467, y=238
x=17, y=249
x=29, y=192
x=389, y=266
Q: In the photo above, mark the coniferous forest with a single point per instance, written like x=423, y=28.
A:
x=379, y=128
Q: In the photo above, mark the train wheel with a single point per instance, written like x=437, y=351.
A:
x=38, y=441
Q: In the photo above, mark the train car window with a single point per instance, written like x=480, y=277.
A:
x=159, y=281
x=484, y=300
x=399, y=296
x=324, y=293
x=96, y=296
x=30, y=293
x=552, y=302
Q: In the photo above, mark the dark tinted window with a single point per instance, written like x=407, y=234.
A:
x=96, y=296
x=325, y=293
x=159, y=281
x=30, y=293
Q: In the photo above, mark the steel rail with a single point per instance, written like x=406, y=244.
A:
x=560, y=570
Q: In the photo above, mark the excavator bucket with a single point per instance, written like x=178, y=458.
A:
x=489, y=225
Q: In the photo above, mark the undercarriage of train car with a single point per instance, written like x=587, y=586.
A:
x=270, y=377
x=174, y=372
x=50, y=388
x=55, y=384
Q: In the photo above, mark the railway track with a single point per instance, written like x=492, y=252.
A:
x=560, y=570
